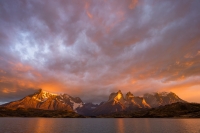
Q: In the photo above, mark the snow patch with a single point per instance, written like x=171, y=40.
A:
x=76, y=105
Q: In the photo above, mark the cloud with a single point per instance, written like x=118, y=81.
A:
x=97, y=47
x=133, y=4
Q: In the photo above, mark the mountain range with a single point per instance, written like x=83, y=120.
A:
x=116, y=102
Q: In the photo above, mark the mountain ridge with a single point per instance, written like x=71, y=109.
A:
x=117, y=102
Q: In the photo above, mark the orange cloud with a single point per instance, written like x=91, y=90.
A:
x=198, y=53
x=89, y=15
x=87, y=11
x=6, y=90
x=133, y=4
x=2, y=71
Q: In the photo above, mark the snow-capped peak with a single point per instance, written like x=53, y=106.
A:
x=65, y=99
x=42, y=95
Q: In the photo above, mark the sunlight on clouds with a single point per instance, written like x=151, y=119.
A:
x=6, y=90
x=89, y=15
x=87, y=10
x=99, y=47
x=133, y=4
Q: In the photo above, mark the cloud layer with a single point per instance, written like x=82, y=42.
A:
x=91, y=48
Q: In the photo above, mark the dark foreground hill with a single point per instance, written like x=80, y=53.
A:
x=23, y=112
x=175, y=110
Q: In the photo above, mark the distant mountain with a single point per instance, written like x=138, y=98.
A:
x=47, y=101
x=118, y=103
x=87, y=109
x=162, y=98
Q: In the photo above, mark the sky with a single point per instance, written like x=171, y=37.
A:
x=91, y=48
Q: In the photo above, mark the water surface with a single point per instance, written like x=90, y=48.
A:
x=98, y=125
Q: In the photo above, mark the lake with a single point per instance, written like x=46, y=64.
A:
x=98, y=125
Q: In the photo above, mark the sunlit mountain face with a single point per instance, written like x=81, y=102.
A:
x=90, y=48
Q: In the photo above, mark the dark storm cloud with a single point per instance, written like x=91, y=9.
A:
x=96, y=47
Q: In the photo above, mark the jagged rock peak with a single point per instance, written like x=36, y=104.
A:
x=42, y=95
x=116, y=96
x=119, y=91
x=129, y=95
